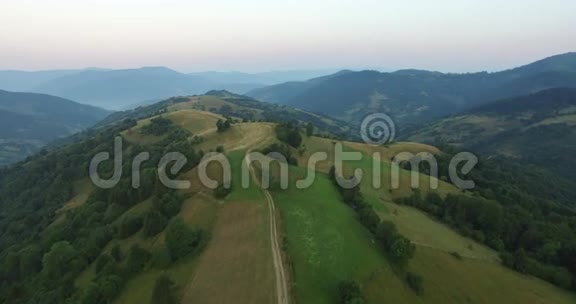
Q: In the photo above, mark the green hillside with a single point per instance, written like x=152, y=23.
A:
x=65, y=239
x=536, y=129
x=29, y=121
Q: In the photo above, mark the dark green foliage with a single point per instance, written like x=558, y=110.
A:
x=398, y=248
x=164, y=291
x=154, y=222
x=60, y=260
x=30, y=260
x=182, y=240
x=456, y=255
x=309, y=129
x=101, y=262
x=31, y=193
x=137, y=259
x=535, y=242
x=158, y=126
x=349, y=292
x=289, y=133
x=161, y=258
x=283, y=150
x=415, y=282
x=129, y=226
x=223, y=125
x=117, y=254
x=103, y=291
x=169, y=204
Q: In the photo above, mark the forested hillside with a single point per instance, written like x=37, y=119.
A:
x=414, y=95
x=29, y=121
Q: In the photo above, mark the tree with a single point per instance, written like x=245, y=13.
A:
x=30, y=260
x=309, y=129
x=154, y=223
x=369, y=218
x=169, y=204
x=294, y=138
x=129, y=226
x=61, y=258
x=415, y=282
x=117, y=253
x=401, y=250
x=164, y=291
x=137, y=259
x=349, y=292
x=181, y=240
x=102, y=261
x=222, y=125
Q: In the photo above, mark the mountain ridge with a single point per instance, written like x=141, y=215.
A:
x=415, y=95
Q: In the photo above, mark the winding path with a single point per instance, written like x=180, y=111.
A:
x=281, y=281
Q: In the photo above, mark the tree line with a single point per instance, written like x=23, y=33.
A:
x=397, y=247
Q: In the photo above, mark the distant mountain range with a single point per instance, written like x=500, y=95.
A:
x=28, y=121
x=414, y=95
x=121, y=89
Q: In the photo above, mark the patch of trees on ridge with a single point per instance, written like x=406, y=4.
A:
x=528, y=243
x=397, y=247
x=522, y=211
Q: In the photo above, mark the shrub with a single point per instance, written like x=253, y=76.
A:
x=164, y=291
x=415, y=282
x=137, y=259
x=154, y=223
x=181, y=240
x=129, y=226
x=349, y=292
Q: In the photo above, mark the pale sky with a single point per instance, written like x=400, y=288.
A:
x=262, y=35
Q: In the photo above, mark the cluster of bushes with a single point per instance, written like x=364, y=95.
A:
x=223, y=125
x=182, y=240
x=349, y=292
x=398, y=247
x=289, y=133
x=528, y=242
x=283, y=150
x=157, y=126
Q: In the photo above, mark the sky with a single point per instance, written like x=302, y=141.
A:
x=265, y=35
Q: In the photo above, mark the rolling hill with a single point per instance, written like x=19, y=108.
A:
x=126, y=245
x=536, y=129
x=30, y=121
x=414, y=95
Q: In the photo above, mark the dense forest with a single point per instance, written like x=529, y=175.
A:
x=40, y=258
x=521, y=211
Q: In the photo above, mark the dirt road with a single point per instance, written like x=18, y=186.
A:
x=281, y=281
